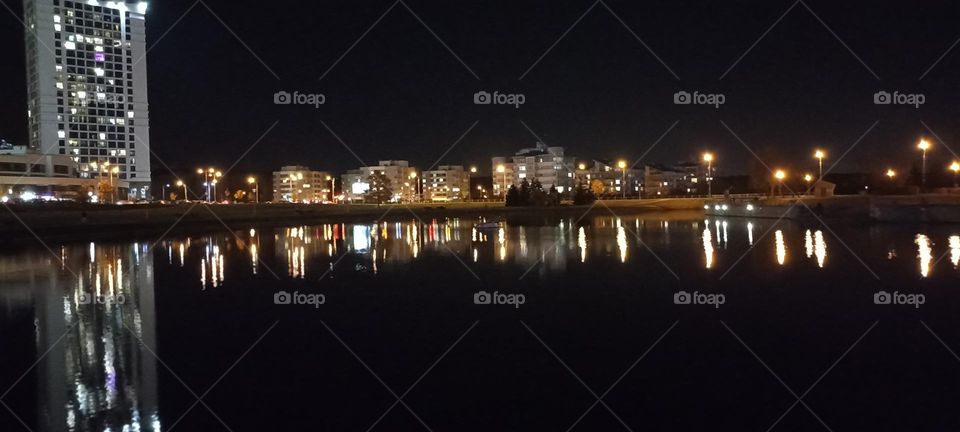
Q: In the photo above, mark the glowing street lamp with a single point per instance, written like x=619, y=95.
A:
x=820, y=154
x=180, y=183
x=891, y=173
x=955, y=167
x=473, y=170
x=708, y=158
x=924, y=145
x=808, y=178
x=503, y=170
x=622, y=164
x=780, y=175
x=416, y=189
x=253, y=180
x=333, y=188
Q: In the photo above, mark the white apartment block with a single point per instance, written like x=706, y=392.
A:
x=446, y=183
x=403, y=181
x=300, y=184
x=548, y=165
x=87, y=87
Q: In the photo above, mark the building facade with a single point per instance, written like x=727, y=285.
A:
x=87, y=86
x=27, y=175
x=296, y=183
x=548, y=165
x=403, y=181
x=446, y=183
x=683, y=178
x=607, y=180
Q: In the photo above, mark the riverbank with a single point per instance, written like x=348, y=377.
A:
x=90, y=221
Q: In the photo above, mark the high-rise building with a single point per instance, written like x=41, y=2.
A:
x=87, y=87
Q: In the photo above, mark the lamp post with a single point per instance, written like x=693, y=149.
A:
x=333, y=188
x=503, y=188
x=808, y=178
x=473, y=170
x=623, y=182
x=891, y=173
x=180, y=183
x=416, y=183
x=955, y=167
x=924, y=145
x=253, y=180
x=820, y=154
x=163, y=193
x=780, y=175
x=708, y=158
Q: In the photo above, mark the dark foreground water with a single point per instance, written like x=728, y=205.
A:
x=632, y=323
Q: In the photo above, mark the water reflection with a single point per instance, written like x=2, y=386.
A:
x=781, y=247
x=924, y=254
x=954, y=242
x=302, y=251
x=90, y=312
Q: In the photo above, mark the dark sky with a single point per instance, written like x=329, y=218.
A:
x=400, y=94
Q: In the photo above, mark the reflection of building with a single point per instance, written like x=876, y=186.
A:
x=402, y=178
x=685, y=178
x=610, y=177
x=297, y=183
x=446, y=183
x=27, y=175
x=87, y=86
x=548, y=165
x=90, y=322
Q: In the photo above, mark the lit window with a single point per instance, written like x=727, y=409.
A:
x=69, y=45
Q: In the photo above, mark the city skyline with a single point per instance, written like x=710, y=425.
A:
x=417, y=90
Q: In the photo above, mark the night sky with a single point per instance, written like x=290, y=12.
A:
x=400, y=94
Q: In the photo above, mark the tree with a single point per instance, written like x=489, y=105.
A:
x=524, y=198
x=379, y=191
x=513, y=197
x=583, y=195
x=553, y=197
x=597, y=187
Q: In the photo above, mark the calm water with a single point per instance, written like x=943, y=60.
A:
x=130, y=336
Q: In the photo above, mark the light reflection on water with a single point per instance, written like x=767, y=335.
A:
x=111, y=384
x=297, y=249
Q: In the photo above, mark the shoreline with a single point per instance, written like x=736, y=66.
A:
x=97, y=222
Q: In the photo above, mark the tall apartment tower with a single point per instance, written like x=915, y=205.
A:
x=87, y=87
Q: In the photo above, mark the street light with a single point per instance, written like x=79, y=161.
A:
x=820, y=154
x=473, y=169
x=708, y=158
x=924, y=145
x=780, y=175
x=180, y=183
x=623, y=183
x=891, y=173
x=808, y=178
x=413, y=176
x=253, y=180
x=955, y=167
x=503, y=170
x=333, y=188
x=210, y=175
